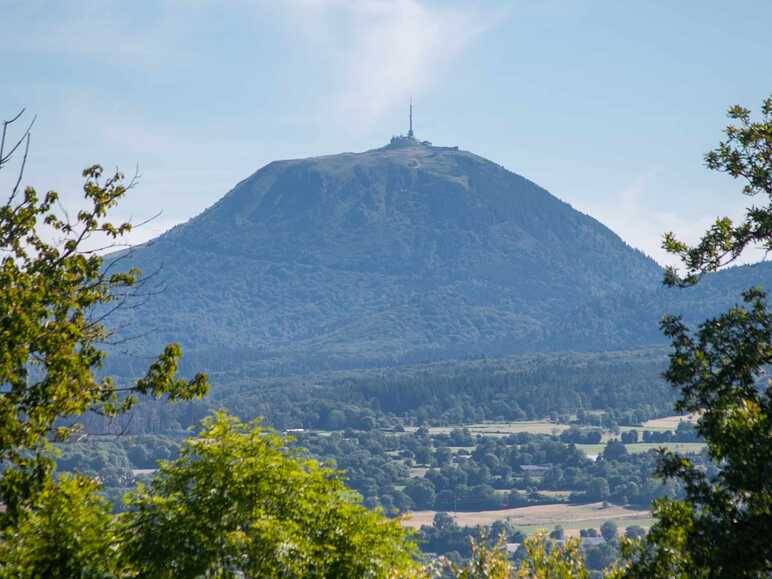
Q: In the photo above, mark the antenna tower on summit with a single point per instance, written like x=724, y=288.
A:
x=410, y=132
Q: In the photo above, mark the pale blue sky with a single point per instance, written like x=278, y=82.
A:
x=608, y=104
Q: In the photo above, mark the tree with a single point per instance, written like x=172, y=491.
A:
x=67, y=531
x=54, y=298
x=609, y=531
x=615, y=450
x=443, y=455
x=746, y=154
x=603, y=556
x=443, y=520
x=486, y=562
x=421, y=491
x=598, y=489
x=239, y=500
x=629, y=437
x=558, y=533
x=722, y=527
x=552, y=561
x=635, y=532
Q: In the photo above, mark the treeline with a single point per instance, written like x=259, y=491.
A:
x=685, y=432
x=606, y=390
x=524, y=388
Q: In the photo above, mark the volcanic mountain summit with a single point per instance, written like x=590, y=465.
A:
x=401, y=253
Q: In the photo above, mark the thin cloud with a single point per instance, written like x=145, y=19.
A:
x=631, y=214
x=389, y=51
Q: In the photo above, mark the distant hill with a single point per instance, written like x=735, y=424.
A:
x=401, y=254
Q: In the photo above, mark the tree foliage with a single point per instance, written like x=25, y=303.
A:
x=56, y=291
x=238, y=500
x=487, y=561
x=722, y=527
x=54, y=297
x=745, y=154
x=65, y=531
x=552, y=560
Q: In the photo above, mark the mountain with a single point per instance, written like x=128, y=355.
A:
x=403, y=253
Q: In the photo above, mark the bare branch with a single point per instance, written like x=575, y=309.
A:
x=24, y=135
x=5, y=130
x=21, y=169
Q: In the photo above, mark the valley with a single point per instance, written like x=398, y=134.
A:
x=526, y=474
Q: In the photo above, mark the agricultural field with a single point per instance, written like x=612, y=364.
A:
x=684, y=447
x=593, y=450
x=502, y=428
x=668, y=422
x=529, y=519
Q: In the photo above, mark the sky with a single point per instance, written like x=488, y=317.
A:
x=609, y=105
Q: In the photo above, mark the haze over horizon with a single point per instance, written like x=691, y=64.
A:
x=609, y=107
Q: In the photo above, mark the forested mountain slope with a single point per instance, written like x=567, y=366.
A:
x=405, y=253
